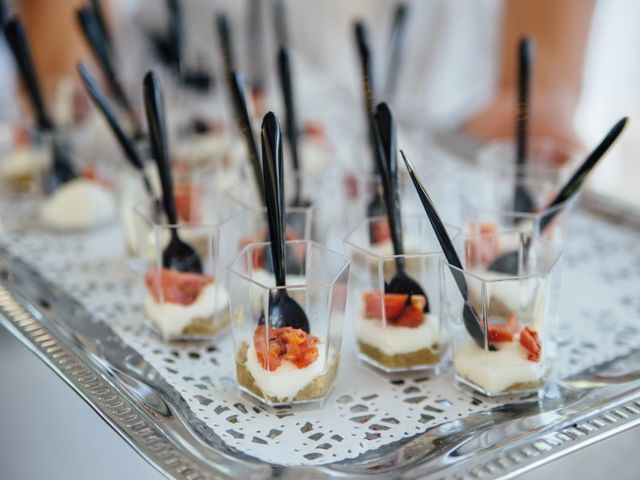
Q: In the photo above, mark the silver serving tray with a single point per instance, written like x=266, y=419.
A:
x=134, y=399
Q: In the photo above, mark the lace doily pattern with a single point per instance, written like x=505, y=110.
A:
x=599, y=314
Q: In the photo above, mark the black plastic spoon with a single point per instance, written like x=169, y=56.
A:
x=284, y=311
x=177, y=255
x=243, y=118
x=508, y=263
x=102, y=22
x=386, y=134
x=62, y=169
x=522, y=199
x=472, y=321
x=100, y=99
x=375, y=207
x=90, y=25
x=284, y=70
x=396, y=45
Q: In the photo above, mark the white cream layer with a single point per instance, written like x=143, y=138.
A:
x=77, y=205
x=172, y=318
x=497, y=371
x=287, y=380
x=393, y=340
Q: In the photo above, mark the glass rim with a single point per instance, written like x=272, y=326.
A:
x=346, y=262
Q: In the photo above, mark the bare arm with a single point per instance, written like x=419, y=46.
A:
x=55, y=38
x=560, y=30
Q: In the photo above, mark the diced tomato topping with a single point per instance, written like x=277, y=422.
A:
x=394, y=303
x=285, y=344
x=399, y=309
x=483, y=249
x=411, y=317
x=530, y=340
x=499, y=333
x=188, y=202
x=176, y=287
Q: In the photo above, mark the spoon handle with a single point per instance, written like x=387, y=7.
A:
x=284, y=70
x=525, y=52
x=102, y=23
x=176, y=34
x=244, y=124
x=224, y=37
x=158, y=134
x=395, y=49
x=367, y=88
x=100, y=99
x=439, y=229
x=580, y=175
x=90, y=26
x=274, y=194
x=386, y=135
x=17, y=38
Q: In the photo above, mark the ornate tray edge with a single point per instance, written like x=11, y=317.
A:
x=113, y=407
x=144, y=436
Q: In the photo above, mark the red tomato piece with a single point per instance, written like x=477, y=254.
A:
x=176, y=287
x=394, y=304
x=499, y=333
x=530, y=340
x=411, y=317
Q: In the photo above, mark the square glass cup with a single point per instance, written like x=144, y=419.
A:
x=182, y=306
x=199, y=201
x=313, y=219
x=503, y=331
x=276, y=364
x=397, y=332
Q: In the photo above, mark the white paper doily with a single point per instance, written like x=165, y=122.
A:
x=600, y=312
